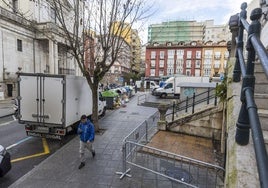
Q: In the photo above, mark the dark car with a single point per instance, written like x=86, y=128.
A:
x=5, y=164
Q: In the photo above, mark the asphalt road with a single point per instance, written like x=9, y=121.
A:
x=26, y=152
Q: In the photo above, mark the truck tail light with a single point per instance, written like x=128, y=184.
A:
x=61, y=132
x=28, y=127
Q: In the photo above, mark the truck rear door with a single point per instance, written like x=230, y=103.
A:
x=41, y=98
x=28, y=96
x=51, y=95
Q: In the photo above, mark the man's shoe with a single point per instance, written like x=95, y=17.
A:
x=81, y=165
x=93, y=154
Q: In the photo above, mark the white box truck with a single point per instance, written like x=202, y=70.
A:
x=172, y=88
x=51, y=105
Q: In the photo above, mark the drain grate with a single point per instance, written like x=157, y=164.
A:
x=122, y=112
x=135, y=113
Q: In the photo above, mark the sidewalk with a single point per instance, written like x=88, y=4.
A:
x=6, y=107
x=61, y=168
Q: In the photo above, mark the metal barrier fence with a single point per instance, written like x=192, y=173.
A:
x=140, y=134
x=182, y=170
x=141, y=98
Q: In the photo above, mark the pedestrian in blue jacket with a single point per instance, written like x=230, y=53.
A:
x=87, y=134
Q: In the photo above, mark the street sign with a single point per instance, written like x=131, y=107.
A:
x=121, y=79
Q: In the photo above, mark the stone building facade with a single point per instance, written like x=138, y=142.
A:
x=32, y=42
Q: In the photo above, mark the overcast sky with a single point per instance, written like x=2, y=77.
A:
x=199, y=10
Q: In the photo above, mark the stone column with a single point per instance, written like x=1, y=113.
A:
x=51, y=57
x=2, y=60
x=162, y=123
x=56, y=59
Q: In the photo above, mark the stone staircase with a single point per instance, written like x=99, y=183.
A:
x=204, y=122
x=261, y=99
x=182, y=117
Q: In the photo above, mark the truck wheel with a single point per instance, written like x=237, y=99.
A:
x=73, y=131
x=163, y=95
x=103, y=112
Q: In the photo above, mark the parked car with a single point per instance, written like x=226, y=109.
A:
x=5, y=164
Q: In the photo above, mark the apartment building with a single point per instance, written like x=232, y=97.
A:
x=216, y=33
x=131, y=36
x=136, y=51
x=194, y=58
x=186, y=47
x=175, y=31
x=214, y=59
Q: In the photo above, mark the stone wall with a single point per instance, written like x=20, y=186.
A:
x=206, y=124
x=241, y=170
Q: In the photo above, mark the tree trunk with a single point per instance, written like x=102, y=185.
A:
x=95, y=106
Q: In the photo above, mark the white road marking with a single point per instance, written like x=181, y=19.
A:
x=6, y=123
x=19, y=142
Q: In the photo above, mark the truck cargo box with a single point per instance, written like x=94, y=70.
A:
x=48, y=102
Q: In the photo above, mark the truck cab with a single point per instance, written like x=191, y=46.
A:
x=167, y=89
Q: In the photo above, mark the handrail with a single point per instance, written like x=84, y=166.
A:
x=209, y=89
x=193, y=101
x=261, y=51
x=248, y=116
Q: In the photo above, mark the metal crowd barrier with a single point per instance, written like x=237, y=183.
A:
x=182, y=170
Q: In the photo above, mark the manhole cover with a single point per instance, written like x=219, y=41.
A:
x=179, y=174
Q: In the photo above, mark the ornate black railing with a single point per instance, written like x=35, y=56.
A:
x=190, y=103
x=248, y=116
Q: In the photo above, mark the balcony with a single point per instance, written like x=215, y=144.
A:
x=5, y=14
x=217, y=56
x=66, y=71
x=47, y=26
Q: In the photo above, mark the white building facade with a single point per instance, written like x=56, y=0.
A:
x=216, y=33
x=31, y=42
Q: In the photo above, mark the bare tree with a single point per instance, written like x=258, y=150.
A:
x=108, y=23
